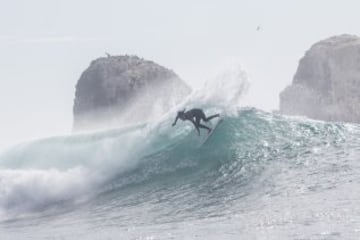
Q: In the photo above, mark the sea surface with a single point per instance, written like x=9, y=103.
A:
x=259, y=176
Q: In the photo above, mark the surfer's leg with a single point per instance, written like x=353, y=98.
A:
x=197, y=120
x=199, y=125
x=200, y=116
x=196, y=124
x=211, y=117
x=197, y=129
x=203, y=126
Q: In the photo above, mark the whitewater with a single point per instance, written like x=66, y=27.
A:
x=261, y=175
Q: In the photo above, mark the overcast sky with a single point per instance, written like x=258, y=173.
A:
x=45, y=45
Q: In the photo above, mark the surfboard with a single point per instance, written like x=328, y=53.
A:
x=214, y=126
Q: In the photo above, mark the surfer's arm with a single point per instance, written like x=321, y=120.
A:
x=175, y=121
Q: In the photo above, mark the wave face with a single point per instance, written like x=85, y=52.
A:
x=155, y=174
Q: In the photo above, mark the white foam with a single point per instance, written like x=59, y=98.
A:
x=44, y=172
x=23, y=190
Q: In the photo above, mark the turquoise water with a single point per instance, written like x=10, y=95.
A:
x=260, y=176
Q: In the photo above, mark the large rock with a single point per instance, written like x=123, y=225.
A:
x=326, y=85
x=116, y=90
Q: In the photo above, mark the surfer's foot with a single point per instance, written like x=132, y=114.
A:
x=209, y=131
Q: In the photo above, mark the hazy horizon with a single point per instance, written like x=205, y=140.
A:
x=46, y=46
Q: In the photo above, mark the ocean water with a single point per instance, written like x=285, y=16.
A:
x=259, y=176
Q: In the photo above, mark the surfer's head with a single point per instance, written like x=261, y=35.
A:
x=181, y=114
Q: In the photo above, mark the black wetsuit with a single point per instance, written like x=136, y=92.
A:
x=195, y=115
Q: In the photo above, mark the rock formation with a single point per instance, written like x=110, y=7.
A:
x=326, y=85
x=115, y=90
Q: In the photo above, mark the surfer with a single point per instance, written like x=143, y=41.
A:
x=195, y=115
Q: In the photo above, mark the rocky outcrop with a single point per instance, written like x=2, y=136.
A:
x=117, y=89
x=326, y=85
